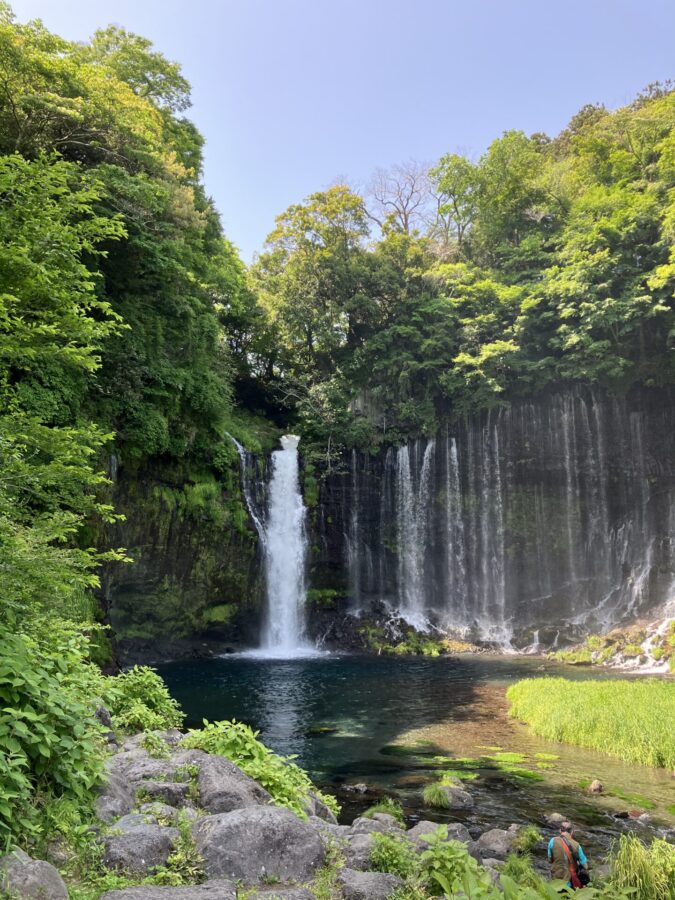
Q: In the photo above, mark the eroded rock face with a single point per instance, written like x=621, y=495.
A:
x=138, y=848
x=367, y=885
x=258, y=842
x=30, y=879
x=219, y=889
x=223, y=787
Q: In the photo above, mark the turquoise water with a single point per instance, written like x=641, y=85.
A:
x=394, y=723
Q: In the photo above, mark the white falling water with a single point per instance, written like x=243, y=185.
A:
x=285, y=556
x=412, y=503
x=244, y=456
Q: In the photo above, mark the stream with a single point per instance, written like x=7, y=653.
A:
x=395, y=723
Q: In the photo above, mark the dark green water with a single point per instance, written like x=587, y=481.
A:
x=341, y=715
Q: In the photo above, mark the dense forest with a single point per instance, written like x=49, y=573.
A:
x=131, y=333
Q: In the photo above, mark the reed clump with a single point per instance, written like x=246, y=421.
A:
x=629, y=719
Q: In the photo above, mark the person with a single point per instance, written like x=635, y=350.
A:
x=567, y=858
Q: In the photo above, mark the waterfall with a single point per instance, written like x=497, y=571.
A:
x=247, y=464
x=285, y=556
x=412, y=516
x=534, y=523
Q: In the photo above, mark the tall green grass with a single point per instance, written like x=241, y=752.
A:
x=629, y=719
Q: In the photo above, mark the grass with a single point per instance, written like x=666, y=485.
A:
x=629, y=719
x=435, y=796
x=651, y=870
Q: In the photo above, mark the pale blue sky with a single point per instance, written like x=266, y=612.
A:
x=292, y=94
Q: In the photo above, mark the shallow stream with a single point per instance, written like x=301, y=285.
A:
x=395, y=723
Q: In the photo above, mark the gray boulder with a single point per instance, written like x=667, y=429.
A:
x=173, y=793
x=115, y=799
x=30, y=879
x=223, y=787
x=458, y=832
x=497, y=843
x=258, y=842
x=380, y=822
x=273, y=893
x=138, y=849
x=329, y=832
x=367, y=885
x=316, y=807
x=458, y=797
x=219, y=889
x=358, y=849
x=134, y=820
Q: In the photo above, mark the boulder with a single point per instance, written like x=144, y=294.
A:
x=367, y=885
x=134, y=820
x=458, y=797
x=30, y=879
x=596, y=787
x=218, y=889
x=115, y=799
x=357, y=850
x=223, y=787
x=458, y=832
x=138, y=849
x=555, y=820
x=258, y=842
x=329, y=832
x=496, y=843
x=381, y=822
x=423, y=827
x=173, y=793
x=316, y=807
x=272, y=893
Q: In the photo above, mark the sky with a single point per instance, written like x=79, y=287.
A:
x=293, y=95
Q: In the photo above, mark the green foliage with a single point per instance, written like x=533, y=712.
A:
x=527, y=839
x=155, y=746
x=386, y=805
x=286, y=782
x=629, y=719
x=51, y=743
x=139, y=701
x=448, y=868
x=649, y=870
x=394, y=854
x=518, y=867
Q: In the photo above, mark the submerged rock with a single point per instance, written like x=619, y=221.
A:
x=30, y=879
x=257, y=843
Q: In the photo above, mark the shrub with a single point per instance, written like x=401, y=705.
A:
x=50, y=742
x=629, y=719
x=139, y=701
x=394, y=854
x=519, y=868
x=449, y=869
x=386, y=805
x=286, y=782
x=527, y=839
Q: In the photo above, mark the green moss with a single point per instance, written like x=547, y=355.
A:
x=221, y=614
x=324, y=598
x=632, y=650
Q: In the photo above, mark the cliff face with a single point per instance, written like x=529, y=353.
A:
x=195, y=576
x=535, y=523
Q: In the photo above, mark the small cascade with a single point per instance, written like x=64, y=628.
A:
x=248, y=466
x=285, y=556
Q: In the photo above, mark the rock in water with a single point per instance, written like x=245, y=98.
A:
x=367, y=885
x=497, y=842
x=258, y=843
x=30, y=879
x=596, y=787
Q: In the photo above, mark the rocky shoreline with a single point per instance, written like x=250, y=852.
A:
x=170, y=800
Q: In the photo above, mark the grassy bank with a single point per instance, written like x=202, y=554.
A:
x=629, y=719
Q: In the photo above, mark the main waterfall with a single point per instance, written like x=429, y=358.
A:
x=285, y=551
x=552, y=516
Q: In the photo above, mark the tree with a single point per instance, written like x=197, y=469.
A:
x=456, y=182
x=399, y=197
